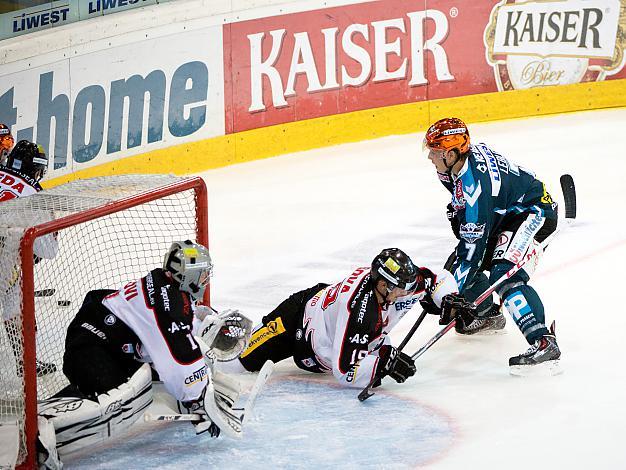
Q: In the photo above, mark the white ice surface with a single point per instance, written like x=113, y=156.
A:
x=286, y=223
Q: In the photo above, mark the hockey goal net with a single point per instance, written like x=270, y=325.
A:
x=99, y=233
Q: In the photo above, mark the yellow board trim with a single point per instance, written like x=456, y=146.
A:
x=260, y=336
x=337, y=129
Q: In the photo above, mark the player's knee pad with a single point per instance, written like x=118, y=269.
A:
x=79, y=421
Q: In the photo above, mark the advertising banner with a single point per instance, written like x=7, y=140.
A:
x=60, y=12
x=305, y=65
x=119, y=101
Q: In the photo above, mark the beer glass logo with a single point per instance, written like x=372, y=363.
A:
x=555, y=42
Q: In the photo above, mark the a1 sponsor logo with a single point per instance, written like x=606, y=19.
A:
x=556, y=42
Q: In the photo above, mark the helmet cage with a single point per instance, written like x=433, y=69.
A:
x=190, y=265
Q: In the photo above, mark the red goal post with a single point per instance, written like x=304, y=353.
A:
x=108, y=231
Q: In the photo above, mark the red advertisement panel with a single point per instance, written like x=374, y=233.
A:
x=305, y=65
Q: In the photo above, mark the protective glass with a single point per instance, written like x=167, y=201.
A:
x=397, y=291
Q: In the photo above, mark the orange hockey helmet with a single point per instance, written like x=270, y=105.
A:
x=6, y=142
x=448, y=134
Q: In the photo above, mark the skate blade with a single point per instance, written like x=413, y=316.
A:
x=545, y=369
x=482, y=333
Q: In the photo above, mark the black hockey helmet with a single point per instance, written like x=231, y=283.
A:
x=28, y=158
x=395, y=267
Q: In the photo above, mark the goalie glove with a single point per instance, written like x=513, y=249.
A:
x=226, y=334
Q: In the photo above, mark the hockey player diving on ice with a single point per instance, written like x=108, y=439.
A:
x=343, y=328
x=119, y=337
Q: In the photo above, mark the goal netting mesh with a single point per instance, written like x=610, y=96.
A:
x=97, y=250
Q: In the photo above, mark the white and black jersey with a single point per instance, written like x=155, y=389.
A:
x=158, y=321
x=338, y=328
x=14, y=184
x=162, y=318
x=345, y=325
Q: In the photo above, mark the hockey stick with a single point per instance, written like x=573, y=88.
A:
x=173, y=417
x=237, y=416
x=366, y=393
x=569, y=196
x=49, y=293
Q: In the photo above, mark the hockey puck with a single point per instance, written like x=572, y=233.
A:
x=63, y=303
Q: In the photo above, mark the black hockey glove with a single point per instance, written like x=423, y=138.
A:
x=453, y=218
x=455, y=306
x=395, y=364
x=197, y=407
x=429, y=306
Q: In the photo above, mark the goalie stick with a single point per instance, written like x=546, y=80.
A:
x=236, y=416
x=569, y=197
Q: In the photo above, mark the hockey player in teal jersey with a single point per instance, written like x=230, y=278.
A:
x=501, y=212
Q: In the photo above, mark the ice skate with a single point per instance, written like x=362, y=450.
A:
x=542, y=358
x=492, y=323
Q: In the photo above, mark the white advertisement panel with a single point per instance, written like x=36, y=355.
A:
x=105, y=102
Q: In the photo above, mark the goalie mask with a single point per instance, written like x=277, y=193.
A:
x=191, y=266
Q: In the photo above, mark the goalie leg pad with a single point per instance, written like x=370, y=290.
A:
x=79, y=421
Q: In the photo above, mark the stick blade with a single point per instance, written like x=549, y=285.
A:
x=569, y=195
x=365, y=394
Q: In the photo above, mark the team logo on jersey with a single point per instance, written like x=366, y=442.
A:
x=331, y=296
x=471, y=232
x=308, y=362
x=299, y=334
x=481, y=167
x=110, y=319
x=533, y=44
